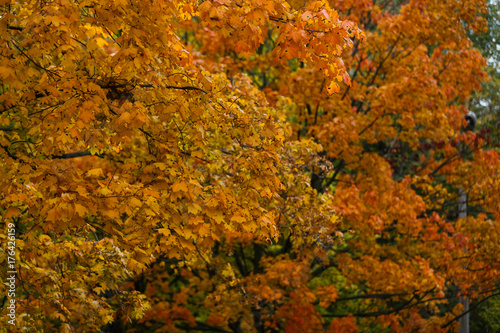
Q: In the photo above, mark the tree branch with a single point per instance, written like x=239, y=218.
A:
x=34, y=62
x=76, y=154
x=419, y=299
x=382, y=296
x=10, y=27
x=110, y=86
x=443, y=164
x=470, y=309
x=6, y=149
x=186, y=88
x=339, y=168
x=202, y=327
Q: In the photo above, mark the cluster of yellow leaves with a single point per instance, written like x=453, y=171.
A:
x=118, y=145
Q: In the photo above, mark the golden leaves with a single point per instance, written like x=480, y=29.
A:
x=81, y=210
x=10, y=212
x=95, y=172
x=179, y=187
x=7, y=73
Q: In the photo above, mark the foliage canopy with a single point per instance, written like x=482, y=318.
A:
x=245, y=165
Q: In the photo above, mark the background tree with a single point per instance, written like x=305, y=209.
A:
x=486, y=103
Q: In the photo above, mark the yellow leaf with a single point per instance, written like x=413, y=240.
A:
x=44, y=239
x=134, y=202
x=86, y=115
x=179, y=186
x=80, y=210
x=111, y=213
x=101, y=42
x=124, y=118
x=6, y=72
x=164, y=231
x=152, y=193
x=249, y=226
x=52, y=215
x=11, y=211
x=333, y=88
x=218, y=217
x=95, y=172
x=238, y=218
x=161, y=166
x=94, y=151
x=194, y=208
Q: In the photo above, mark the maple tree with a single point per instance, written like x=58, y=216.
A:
x=245, y=165
x=120, y=145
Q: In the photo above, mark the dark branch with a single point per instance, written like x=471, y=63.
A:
x=202, y=327
x=6, y=149
x=381, y=296
x=186, y=88
x=111, y=86
x=77, y=154
x=418, y=298
x=34, y=62
x=14, y=28
x=334, y=177
x=443, y=164
x=470, y=309
x=392, y=48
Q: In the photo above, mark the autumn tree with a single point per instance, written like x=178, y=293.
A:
x=124, y=144
x=393, y=156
